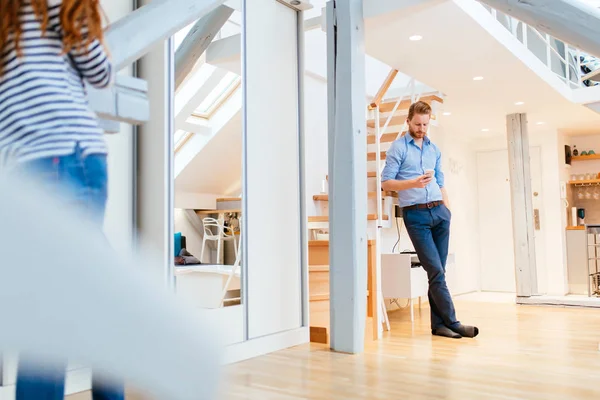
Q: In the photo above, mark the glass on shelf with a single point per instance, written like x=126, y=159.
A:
x=580, y=194
x=588, y=193
x=596, y=193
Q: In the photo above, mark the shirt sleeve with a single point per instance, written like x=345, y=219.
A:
x=90, y=60
x=439, y=174
x=392, y=163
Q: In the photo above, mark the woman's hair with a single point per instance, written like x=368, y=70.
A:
x=81, y=22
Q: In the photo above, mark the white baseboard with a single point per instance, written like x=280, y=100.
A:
x=266, y=344
x=568, y=301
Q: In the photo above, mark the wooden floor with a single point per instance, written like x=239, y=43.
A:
x=523, y=352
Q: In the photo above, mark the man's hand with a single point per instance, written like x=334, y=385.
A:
x=422, y=181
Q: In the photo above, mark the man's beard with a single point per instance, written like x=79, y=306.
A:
x=416, y=136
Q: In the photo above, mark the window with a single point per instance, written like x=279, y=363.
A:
x=218, y=95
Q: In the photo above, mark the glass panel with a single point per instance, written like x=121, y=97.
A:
x=208, y=206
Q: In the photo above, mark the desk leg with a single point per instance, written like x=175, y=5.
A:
x=412, y=311
x=419, y=301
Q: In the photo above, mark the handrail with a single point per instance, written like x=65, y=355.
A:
x=129, y=38
x=383, y=89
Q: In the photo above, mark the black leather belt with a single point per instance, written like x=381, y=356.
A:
x=429, y=206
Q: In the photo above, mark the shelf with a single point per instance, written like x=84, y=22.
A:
x=576, y=228
x=585, y=182
x=586, y=158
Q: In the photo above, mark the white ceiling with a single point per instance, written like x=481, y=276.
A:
x=454, y=49
x=217, y=169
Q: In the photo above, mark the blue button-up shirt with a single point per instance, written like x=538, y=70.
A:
x=405, y=160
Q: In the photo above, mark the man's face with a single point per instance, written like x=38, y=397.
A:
x=417, y=126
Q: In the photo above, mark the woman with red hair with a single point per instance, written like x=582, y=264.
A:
x=48, y=49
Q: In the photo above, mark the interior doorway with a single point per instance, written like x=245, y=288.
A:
x=495, y=221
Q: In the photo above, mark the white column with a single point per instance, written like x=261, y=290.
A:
x=155, y=159
x=347, y=174
x=522, y=205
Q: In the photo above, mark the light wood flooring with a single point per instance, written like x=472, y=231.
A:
x=523, y=352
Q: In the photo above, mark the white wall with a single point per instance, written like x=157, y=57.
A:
x=552, y=159
x=459, y=165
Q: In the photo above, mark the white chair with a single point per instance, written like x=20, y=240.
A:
x=234, y=268
x=222, y=233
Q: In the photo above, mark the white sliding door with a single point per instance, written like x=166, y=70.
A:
x=272, y=195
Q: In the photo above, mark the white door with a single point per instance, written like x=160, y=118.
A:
x=495, y=221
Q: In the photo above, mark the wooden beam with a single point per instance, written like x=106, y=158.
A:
x=347, y=170
x=574, y=22
x=134, y=35
x=522, y=204
x=197, y=41
x=383, y=89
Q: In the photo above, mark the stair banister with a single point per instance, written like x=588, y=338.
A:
x=571, y=21
x=129, y=39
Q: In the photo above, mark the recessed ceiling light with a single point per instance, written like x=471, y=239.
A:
x=519, y=103
x=447, y=113
x=414, y=38
x=478, y=78
x=485, y=130
x=540, y=123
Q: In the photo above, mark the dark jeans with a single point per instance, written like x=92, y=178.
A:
x=429, y=231
x=81, y=184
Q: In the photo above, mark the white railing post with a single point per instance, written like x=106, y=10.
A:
x=548, y=52
x=524, y=28
x=379, y=221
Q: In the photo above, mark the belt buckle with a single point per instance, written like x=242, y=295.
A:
x=430, y=205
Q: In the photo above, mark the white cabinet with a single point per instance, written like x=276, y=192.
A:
x=400, y=281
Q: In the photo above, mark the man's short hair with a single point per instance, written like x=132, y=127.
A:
x=420, y=107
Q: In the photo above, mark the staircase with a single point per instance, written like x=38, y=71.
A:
x=385, y=123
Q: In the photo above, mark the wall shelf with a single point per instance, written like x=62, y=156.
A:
x=586, y=158
x=586, y=182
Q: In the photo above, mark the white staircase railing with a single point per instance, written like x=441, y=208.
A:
x=566, y=61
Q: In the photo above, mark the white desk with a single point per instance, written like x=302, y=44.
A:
x=400, y=281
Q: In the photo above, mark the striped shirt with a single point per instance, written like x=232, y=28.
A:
x=43, y=106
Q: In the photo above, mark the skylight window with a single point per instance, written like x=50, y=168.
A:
x=218, y=95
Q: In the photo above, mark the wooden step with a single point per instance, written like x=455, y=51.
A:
x=372, y=155
x=396, y=120
x=385, y=138
x=325, y=218
x=370, y=174
x=318, y=268
x=371, y=195
x=388, y=106
x=227, y=199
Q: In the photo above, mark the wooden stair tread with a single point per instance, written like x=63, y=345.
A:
x=318, y=297
x=385, y=138
x=396, y=120
x=325, y=218
x=224, y=199
x=318, y=268
x=371, y=156
x=388, y=106
x=370, y=174
x=371, y=195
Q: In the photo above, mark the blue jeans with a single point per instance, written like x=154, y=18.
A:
x=429, y=231
x=81, y=185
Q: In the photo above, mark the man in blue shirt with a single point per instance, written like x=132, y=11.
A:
x=413, y=169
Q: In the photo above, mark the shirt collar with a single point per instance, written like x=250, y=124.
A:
x=410, y=139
